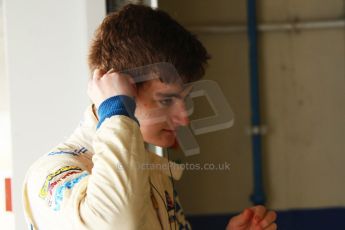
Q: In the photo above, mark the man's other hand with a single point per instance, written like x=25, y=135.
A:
x=254, y=218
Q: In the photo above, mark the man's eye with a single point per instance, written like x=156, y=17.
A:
x=166, y=102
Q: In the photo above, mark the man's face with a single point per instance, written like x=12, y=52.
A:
x=160, y=110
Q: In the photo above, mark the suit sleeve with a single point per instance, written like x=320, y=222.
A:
x=117, y=191
x=115, y=194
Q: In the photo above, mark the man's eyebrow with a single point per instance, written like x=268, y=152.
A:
x=177, y=95
x=168, y=95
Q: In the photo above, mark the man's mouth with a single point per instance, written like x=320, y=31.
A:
x=169, y=131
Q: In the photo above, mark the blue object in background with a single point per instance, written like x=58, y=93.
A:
x=258, y=195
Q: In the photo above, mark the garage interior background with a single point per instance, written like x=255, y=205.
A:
x=301, y=63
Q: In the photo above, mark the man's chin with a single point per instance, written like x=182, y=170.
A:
x=165, y=143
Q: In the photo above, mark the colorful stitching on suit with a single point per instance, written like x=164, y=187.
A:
x=44, y=190
x=75, y=152
x=59, y=193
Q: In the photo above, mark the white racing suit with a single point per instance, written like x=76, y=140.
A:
x=103, y=179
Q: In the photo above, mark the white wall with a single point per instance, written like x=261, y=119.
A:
x=3, y=80
x=46, y=44
x=4, y=103
x=6, y=217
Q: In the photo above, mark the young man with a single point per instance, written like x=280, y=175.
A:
x=97, y=179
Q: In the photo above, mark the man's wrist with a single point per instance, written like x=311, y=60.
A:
x=116, y=105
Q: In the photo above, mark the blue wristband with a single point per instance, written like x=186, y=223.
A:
x=116, y=105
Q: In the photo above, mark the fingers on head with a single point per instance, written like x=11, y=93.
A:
x=131, y=80
x=110, y=71
x=97, y=74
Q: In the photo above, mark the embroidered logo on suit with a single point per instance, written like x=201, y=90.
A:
x=52, y=177
x=75, y=152
x=57, y=182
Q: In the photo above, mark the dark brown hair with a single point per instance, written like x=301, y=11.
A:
x=137, y=36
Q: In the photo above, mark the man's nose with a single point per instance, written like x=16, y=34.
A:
x=180, y=115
